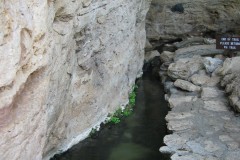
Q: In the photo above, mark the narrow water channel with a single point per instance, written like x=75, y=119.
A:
x=137, y=137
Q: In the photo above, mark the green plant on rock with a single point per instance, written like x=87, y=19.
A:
x=114, y=120
x=127, y=112
x=119, y=113
x=132, y=96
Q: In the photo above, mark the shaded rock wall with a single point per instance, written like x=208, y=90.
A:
x=64, y=66
x=172, y=19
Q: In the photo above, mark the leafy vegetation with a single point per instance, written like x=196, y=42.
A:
x=119, y=113
x=114, y=120
x=116, y=117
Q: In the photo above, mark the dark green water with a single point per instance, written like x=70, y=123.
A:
x=137, y=137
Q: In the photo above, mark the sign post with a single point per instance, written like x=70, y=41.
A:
x=228, y=43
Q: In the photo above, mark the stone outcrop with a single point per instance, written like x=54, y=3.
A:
x=200, y=78
x=64, y=66
x=150, y=55
x=211, y=64
x=203, y=124
x=187, y=86
x=166, y=56
x=200, y=50
x=184, y=68
x=173, y=19
x=231, y=81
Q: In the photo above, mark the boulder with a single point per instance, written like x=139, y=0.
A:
x=184, y=68
x=230, y=65
x=231, y=82
x=214, y=81
x=187, y=86
x=148, y=45
x=199, y=79
x=190, y=41
x=166, y=56
x=201, y=50
x=150, y=55
x=179, y=100
x=211, y=64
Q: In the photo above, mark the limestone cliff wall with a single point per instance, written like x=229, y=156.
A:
x=64, y=66
x=173, y=19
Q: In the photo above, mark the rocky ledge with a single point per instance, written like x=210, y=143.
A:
x=204, y=117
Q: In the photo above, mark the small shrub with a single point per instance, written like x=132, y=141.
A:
x=114, y=120
x=132, y=98
x=127, y=112
x=119, y=113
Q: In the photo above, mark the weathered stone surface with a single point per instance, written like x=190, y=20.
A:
x=187, y=157
x=179, y=125
x=178, y=100
x=232, y=85
x=189, y=42
x=61, y=62
x=148, y=45
x=216, y=106
x=199, y=16
x=174, y=141
x=214, y=81
x=232, y=155
x=210, y=92
x=202, y=128
x=200, y=50
x=184, y=68
x=230, y=65
x=166, y=56
x=194, y=41
x=178, y=116
x=231, y=81
x=211, y=64
x=199, y=79
x=150, y=55
x=185, y=85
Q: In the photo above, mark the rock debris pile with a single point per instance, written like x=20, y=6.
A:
x=204, y=117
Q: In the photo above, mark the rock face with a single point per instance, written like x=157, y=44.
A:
x=231, y=81
x=151, y=55
x=64, y=65
x=184, y=68
x=172, y=19
x=200, y=50
x=211, y=64
x=203, y=124
x=187, y=86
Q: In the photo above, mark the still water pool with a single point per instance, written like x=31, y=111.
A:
x=137, y=137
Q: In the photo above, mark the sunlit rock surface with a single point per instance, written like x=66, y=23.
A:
x=64, y=66
x=172, y=19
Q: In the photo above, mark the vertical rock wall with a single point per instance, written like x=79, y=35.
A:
x=173, y=19
x=64, y=66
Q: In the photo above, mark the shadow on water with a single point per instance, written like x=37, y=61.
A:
x=137, y=137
